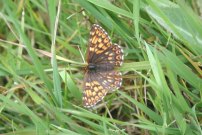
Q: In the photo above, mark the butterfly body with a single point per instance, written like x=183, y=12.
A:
x=91, y=66
x=102, y=58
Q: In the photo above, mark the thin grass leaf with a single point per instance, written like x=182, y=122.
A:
x=38, y=66
x=74, y=91
x=154, y=116
x=56, y=79
x=136, y=12
x=22, y=108
x=180, y=69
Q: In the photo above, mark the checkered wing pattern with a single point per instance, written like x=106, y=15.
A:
x=97, y=84
x=102, y=58
x=101, y=50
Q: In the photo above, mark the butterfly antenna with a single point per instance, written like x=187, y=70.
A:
x=81, y=54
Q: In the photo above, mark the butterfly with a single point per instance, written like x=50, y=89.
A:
x=102, y=58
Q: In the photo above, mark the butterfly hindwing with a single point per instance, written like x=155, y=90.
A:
x=97, y=84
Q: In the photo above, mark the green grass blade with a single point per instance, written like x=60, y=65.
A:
x=38, y=66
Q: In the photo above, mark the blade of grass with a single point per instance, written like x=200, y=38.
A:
x=56, y=79
x=136, y=16
x=20, y=107
x=154, y=116
x=74, y=91
x=38, y=66
x=180, y=69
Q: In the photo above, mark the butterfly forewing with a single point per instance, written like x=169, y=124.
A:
x=102, y=57
x=99, y=42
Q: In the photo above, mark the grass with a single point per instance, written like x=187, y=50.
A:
x=43, y=47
